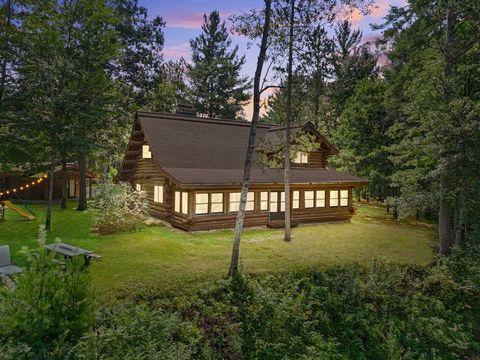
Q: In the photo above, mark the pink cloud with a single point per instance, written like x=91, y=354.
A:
x=188, y=19
x=177, y=51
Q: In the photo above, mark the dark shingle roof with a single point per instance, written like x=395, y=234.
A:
x=202, y=151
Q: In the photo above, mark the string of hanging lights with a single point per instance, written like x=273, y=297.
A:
x=25, y=186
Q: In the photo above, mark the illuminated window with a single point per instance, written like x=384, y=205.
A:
x=309, y=199
x=235, y=202
x=273, y=202
x=282, y=201
x=216, y=203
x=296, y=200
x=343, y=197
x=301, y=158
x=146, y=153
x=177, y=201
x=320, y=198
x=333, y=197
x=138, y=187
x=184, y=203
x=201, y=203
x=264, y=200
x=158, y=193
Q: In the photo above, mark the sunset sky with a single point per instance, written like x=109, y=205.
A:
x=185, y=17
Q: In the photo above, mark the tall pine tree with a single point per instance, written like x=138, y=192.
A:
x=217, y=88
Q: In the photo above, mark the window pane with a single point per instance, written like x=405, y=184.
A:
x=234, y=202
x=138, y=187
x=146, y=153
x=217, y=208
x=234, y=197
x=282, y=201
x=201, y=208
x=217, y=198
x=343, y=197
x=184, y=202
x=304, y=158
x=201, y=198
x=296, y=200
x=320, y=198
x=177, y=201
x=158, y=193
x=264, y=200
x=250, y=206
x=309, y=196
x=333, y=197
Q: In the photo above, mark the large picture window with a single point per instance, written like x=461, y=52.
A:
x=343, y=197
x=235, y=202
x=320, y=198
x=158, y=193
x=333, y=198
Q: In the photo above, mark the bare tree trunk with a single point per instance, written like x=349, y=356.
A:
x=445, y=211
x=48, y=220
x=82, y=199
x=63, y=203
x=251, y=142
x=288, y=230
x=460, y=214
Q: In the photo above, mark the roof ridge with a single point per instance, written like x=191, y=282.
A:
x=182, y=117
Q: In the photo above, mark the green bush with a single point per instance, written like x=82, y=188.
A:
x=378, y=311
x=117, y=208
x=50, y=307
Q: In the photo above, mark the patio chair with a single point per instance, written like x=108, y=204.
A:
x=6, y=266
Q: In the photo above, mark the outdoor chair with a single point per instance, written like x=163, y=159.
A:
x=6, y=266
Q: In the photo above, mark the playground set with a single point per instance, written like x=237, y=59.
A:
x=7, y=195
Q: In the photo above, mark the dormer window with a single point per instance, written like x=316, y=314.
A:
x=146, y=153
x=301, y=158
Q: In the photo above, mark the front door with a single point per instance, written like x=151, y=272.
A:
x=277, y=205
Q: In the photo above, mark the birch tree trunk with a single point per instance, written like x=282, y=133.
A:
x=251, y=142
x=286, y=177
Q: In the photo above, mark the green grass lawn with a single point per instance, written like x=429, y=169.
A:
x=158, y=260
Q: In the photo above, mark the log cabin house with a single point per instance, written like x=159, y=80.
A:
x=192, y=169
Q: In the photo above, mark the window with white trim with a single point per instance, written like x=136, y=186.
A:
x=264, y=200
x=201, y=204
x=216, y=203
x=158, y=193
x=235, y=202
x=296, y=200
x=309, y=200
x=282, y=201
x=138, y=187
x=181, y=202
x=343, y=197
x=333, y=198
x=320, y=198
x=184, y=202
x=178, y=204
x=301, y=158
x=146, y=153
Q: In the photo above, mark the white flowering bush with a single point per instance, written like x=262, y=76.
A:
x=118, y=208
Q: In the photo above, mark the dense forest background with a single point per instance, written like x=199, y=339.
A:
x=403, y=109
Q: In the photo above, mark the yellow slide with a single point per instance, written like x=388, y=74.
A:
x=20, y=211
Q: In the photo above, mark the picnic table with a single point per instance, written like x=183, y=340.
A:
x=70, y=251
